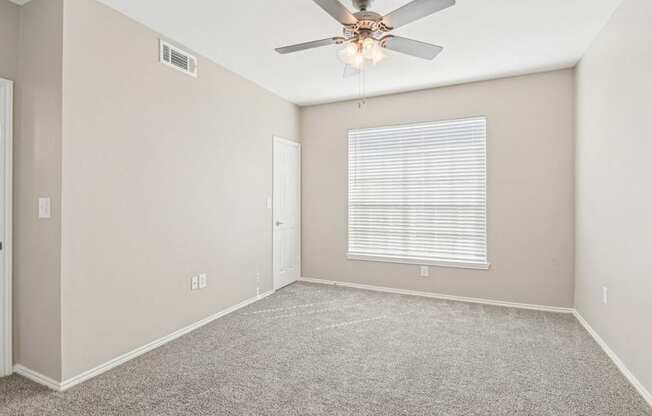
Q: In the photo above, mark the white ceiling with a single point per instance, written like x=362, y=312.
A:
x=483, y=39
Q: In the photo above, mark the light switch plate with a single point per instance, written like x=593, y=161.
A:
x=269, y=203
x=194, y=283
x=424, y=271
x=44, y=208
x=202, y=281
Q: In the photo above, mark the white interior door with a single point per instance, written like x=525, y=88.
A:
x=287, y=212
x=6, y=106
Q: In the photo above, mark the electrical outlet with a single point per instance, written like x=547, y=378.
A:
x=202, y=281
x=425, y=271
x=194, y=283
x=605, y=295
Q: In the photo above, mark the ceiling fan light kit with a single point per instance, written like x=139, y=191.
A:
x=362, y=53
x=367, y=34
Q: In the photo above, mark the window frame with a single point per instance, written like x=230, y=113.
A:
x=423, y=262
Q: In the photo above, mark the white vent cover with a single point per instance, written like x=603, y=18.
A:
x=178, y=59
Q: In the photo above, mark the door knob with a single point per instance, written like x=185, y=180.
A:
x=278, y=223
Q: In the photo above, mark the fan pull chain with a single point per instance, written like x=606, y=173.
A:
x=362, y=87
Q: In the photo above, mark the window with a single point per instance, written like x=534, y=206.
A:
x=417, y=193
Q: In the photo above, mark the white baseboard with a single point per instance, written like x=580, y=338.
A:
x=616, y=360
x=610, y=353
x=102, y=368
x=544, y=308
x=62, y=386
x=37, y=377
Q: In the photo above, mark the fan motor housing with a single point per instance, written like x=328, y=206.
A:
x=367, y=22
x=368, y=16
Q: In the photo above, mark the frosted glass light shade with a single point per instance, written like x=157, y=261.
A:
x=359, y=54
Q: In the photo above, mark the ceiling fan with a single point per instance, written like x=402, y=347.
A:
x=367, y=34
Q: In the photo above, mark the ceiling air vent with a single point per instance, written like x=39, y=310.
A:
x=176, y=58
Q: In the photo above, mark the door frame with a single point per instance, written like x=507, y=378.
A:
x=275, y=141
x=6, y=137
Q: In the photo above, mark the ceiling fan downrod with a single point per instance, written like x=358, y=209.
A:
x=362, y=5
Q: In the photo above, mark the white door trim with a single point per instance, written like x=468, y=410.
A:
x=277, y=139
x=6, y=136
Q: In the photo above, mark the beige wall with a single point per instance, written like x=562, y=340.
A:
x=614, y=205
x=164, y=177
x=156, y=177
x=530, y=194
x=37, y=173
x=8, y=39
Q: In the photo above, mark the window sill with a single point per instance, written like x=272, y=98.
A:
x=451, y=264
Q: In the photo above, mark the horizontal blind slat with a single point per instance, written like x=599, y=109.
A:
x=419, y=191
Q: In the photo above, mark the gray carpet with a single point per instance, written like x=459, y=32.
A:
x=324, y=350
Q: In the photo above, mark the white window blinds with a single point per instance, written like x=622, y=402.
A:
x=417, y=193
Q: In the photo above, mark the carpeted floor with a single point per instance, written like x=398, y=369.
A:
x=325, y=350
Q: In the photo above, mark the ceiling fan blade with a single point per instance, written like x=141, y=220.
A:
x=338, y=11
x=415, y=10
x=309, y=45
x=412, y=47
x=350, y=71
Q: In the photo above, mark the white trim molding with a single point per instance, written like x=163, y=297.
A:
x=544, y=308
x=610, y=353
x=102, y=368
x=66, y=384
x=6, y=134
x=616, y=360
x=436, y=263
x=37, y=377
